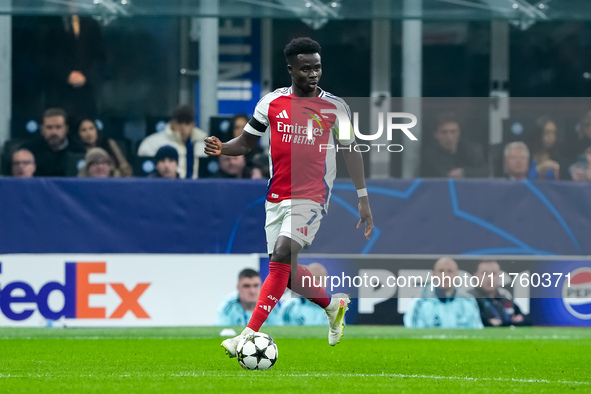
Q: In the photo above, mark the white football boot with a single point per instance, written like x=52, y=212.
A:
x=335, y=312
x=231, y=344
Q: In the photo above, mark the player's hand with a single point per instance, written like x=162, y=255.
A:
x=517, y=318
x=579, y=174
x=213, y=146
x=495, y=322
x=365, y=217
x=548, y=165
x=456, y=173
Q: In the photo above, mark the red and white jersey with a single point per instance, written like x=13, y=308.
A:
x=300, y=167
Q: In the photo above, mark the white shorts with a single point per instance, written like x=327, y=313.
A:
x=296, y=219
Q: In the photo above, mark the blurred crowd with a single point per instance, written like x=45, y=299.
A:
x=447, y=306
x=74, y=140
x=70, y=146
x=67, y=146
x=544, y=153
x=441, y=304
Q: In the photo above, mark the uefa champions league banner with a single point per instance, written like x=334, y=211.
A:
x=421, y=216
x=116, y=290
x=553, y=291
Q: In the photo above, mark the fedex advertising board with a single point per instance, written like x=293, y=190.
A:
x=116, y=290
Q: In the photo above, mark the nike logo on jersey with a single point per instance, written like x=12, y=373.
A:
x=282, y=115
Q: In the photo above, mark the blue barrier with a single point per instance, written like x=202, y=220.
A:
x=227, y=216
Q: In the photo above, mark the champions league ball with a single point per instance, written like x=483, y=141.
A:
x=257, y=351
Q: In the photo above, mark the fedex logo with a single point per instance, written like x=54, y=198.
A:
x=76, y=291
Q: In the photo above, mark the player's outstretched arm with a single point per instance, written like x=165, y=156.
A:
x=238, y=146
x=354, y=162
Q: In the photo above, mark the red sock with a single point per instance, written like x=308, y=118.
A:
x=315, y=294
x=271, y=292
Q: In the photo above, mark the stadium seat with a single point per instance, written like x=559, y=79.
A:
x=24, y=128
x=208, y=167
x=220, y=126
x=74, y=163
x=143, y=166
x=155, y=124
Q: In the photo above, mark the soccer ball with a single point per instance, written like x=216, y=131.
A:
x=256, y=351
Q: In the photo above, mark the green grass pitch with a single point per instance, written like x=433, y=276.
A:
x=368, y=359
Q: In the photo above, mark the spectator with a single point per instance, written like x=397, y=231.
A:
x=89, y=137
x=231, y=167
x=298, y=311
x=52, y=146
x=581, y=170
x=236, y=308
x=23, y=164
x=98, y=164
x=446, y=306
x=495, y=310
x=451, y=156
x=254, y=170
x=72, y=56
x=516, y=160
x=167, y=163
x=544, y=151
x=583, y=141
x=238, y=123
x=258, y=167
x=181, y=134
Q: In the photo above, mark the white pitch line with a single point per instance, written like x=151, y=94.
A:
x=485, y=379
x=311, y=375
x=96, y=338
x=428, y=337
x=510, y=337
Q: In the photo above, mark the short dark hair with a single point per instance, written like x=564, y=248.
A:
x=486, y=261
x=82, y=120
x=184, y=114
x=248, y=273
x=19, y=148
x=51, y=112
x=536, y=138
x=446, y=117
x=301, y=45
x=240, y=116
